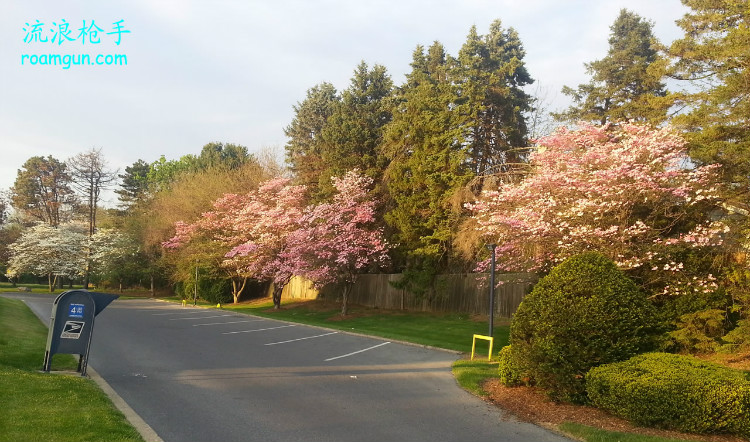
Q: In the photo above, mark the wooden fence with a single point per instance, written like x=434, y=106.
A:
x=460, y=293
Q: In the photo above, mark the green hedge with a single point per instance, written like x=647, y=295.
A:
x=585, y=313
x=674, y=391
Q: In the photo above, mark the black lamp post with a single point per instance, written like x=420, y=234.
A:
x=491, y=248
x=195, y=289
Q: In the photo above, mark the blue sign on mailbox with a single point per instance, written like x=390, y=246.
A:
x=76, y=311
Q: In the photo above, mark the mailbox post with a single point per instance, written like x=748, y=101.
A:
x=72, y=325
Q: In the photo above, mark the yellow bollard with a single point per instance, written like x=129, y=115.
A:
x=486, y=338
x=218, y=305
x=184, y=302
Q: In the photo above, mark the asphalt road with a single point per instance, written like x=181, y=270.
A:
x=209, y=375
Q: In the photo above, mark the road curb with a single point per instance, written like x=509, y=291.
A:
x=148, y=433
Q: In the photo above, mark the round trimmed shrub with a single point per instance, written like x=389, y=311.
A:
x=585, y=313
x=674, y=391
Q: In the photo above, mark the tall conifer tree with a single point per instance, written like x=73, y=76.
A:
x=427, y=166
x=714, y=56
x=134, y=184
x=305, y=146
x=490, y=76
x=627, y=83
x=354, y=130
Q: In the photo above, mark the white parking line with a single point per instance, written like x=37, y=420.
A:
x=202, y=317
x=358, y=351
x=301, y=339
x=230, y=322
x=257, y=330
x=180, y=313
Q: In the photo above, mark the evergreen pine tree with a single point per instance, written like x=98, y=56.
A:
x=490, y=75
x=714, y=56
x=354, y=130
x=305, y=146
x=427, y=166
x=627, y=83
x=134, y=185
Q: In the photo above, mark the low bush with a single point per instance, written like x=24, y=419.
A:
x=211, y=290
x=674, y=391
x=585, y=313
x=511, y=374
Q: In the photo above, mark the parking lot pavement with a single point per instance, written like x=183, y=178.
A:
x=213, y=375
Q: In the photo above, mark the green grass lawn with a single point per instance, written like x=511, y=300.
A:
x=6, y=287
x=471, y=374
x=590, y=434
x=448, y=331
x=48, y=407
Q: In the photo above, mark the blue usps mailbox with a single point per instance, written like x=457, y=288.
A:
x=72, y=325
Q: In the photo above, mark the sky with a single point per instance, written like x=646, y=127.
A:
x=231, y=71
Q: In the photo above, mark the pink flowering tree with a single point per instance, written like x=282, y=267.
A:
x=338, y=240
x=263, y=225
x=244, y=235
x=208, y=239
x=628, y=191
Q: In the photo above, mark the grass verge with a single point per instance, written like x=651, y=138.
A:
x=591, y=434
x=48, y=407
x=6, y=287
x=448, y=331
x=470, y=375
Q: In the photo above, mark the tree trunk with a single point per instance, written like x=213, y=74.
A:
x=152, y=285
x=237, y=291
x=52, y=282
x=86, y=275
x=345, y=299
x=277, y=289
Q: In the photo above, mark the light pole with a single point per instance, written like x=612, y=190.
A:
x=491, y=248
x=195, y=288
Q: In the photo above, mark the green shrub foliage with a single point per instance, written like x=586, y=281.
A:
x=211, y=290
x=674, y=391
x=699, y=332
x=585, y=313
x=510, y=372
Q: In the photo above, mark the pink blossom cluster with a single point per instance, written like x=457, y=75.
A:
x=270, y=234
x=621, y=190
x=337, y=240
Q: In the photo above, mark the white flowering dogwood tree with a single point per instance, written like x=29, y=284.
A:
x=628, y=191
x=65, y=250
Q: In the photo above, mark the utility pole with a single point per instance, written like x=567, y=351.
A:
x=491, y=248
